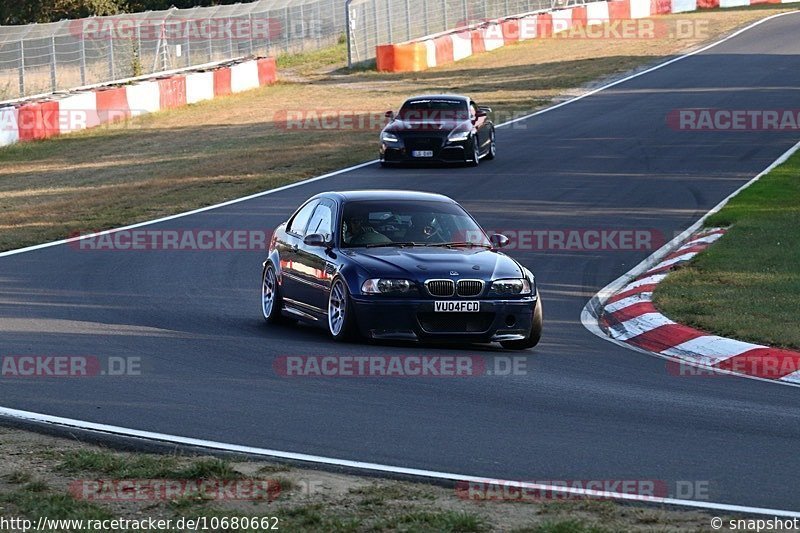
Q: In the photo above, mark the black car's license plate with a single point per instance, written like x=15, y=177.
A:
x=456, y=307
x=422, y=153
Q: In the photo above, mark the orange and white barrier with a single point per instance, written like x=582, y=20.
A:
x=172, y=92
x=199, y=87
x=683, y=6
x=41, y=119
x=9, y=126
x=562, y=20
x=597, y=13
x=640, y=9
x=244, y=77
x=143, y=98
x=78, y=112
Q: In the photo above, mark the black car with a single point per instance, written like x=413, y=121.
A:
x=438, y=128
x=398, y=265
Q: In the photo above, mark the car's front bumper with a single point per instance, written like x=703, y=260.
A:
x=443, y=152
x=413, y=319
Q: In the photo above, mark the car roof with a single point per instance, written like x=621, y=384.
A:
x=463, y=98
x=391, y=194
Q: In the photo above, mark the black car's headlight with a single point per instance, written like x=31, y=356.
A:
x=512, y=287
x=386, y=286
x=389, y=138
x=458, y=136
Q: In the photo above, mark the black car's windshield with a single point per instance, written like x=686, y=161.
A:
x=434, y=110
x=401, y=223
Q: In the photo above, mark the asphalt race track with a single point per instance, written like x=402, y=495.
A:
x=586, y=409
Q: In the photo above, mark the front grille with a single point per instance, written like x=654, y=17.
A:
x=470, y=287
x=440, y=287
x=422, y=143
x=455, y=322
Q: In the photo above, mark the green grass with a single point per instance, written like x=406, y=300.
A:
x=444, y=521
x=34, y=504
x=747, y=286
x=145, y=466
x=564, y=526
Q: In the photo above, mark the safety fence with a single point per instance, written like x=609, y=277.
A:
x=44, y=58
x=78, y=110
x=375, y=22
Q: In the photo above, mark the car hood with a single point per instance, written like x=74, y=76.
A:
x=445, y=126
x=421, y=263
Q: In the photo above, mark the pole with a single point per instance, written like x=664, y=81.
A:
x=21, y=68
x=348, y=33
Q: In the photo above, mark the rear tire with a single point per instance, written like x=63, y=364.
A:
x=535, y=334
x=341, y=318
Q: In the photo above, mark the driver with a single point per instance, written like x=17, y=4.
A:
x=422, y=228
x=358, y=232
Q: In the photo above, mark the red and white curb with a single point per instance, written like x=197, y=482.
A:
x=629, y=316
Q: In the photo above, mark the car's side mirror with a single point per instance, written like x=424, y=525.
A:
x=315, y=239
x=480, y=113
x=389, y=115
x=485, y=110
x=498, y=240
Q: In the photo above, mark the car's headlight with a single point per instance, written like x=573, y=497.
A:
x=457, y=136
x=511, y=286
x=384, y=286
x=389, y=138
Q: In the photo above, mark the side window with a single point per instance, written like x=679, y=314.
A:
x=299, y=222
x=322, y=221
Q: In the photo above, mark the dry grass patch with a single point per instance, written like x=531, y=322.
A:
x=38, y=470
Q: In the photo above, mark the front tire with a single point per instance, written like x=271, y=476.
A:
x=271, y=300
x=492, y=147
x=341, y=318
x=535, y=334
x=476, y=153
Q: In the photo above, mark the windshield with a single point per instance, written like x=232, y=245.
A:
x=434, y=110
x=409, y=223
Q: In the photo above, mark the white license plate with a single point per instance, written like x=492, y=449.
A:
x=422, y=153
x=456, y=307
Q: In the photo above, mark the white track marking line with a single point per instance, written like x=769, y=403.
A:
x=431, y=474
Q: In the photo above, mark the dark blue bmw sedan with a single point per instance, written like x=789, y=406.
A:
x=398, y=265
